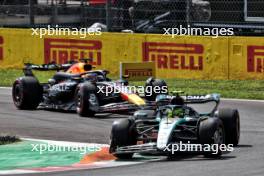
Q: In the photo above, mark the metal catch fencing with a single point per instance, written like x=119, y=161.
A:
x=144, y=16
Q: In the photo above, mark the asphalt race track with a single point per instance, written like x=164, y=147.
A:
x=247, y=159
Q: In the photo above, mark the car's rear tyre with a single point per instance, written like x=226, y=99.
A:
x=123, y=134
x=231, y=121
x=154, y=87
x=86, y=100
x=27, y=93
x=211, y=132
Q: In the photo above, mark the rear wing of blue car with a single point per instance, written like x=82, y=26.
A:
x=45, y=67
x=28, y=67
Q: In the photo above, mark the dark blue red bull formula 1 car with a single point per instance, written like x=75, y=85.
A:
x=77, y=87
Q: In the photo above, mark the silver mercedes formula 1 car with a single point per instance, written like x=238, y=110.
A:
x=191, y=122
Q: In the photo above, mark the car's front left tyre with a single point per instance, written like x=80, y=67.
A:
x=231, y=121
x=211, y=133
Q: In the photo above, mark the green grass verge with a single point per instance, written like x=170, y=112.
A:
x=245, y=89
x=21, y=155
x=8, y=76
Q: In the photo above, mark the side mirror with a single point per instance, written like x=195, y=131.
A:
x=140, y=115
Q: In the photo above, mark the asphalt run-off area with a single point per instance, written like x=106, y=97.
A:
x=57, y=127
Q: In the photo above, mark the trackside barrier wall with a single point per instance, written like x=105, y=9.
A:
x=246, y=58
x=191, y=57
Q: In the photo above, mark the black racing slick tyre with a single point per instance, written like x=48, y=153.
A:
x=123, y=134
x=86, y=100
x=231, y=121
x=211, y=132
x=27, y=93
x=154, y=87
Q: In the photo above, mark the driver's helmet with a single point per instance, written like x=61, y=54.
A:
x=79, y=68
x=176, y=112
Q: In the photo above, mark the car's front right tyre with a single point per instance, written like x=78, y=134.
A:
x=123, y=134
x=85, y=97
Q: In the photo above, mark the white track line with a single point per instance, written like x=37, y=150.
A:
x=17, y=171
x=63, y=143
x=242, y=100
x=8, y=88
